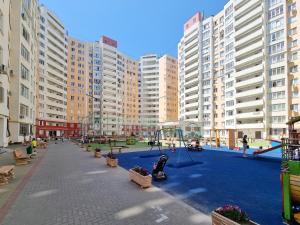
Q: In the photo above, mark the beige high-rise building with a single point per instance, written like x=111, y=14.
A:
x=5, y=10
x=78, y=83
x=23, y=63
x=130, y=99
x=52, y=82
x=168, y=89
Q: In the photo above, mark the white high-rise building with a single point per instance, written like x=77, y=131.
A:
x=52, y=81
x=149, y=94
x=5, y=7
x=23, y=63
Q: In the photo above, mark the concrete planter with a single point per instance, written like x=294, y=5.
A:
x=218, y=219
x=143, y=181
x=111, y=162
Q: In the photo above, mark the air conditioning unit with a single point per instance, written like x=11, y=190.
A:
x=22, y=117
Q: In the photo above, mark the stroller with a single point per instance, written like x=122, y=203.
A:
x=158, y=173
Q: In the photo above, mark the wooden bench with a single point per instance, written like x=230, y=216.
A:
x=20, y=157
x=6, y=173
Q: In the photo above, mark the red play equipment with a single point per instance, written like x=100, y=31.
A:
x=261, y=151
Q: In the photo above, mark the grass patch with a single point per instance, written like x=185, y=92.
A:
x=105, y=147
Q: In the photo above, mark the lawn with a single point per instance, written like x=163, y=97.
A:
x=105, y=147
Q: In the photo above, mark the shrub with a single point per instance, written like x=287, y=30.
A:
x=233, y=212
x=141, y=170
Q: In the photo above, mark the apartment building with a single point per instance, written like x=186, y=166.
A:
x=5, y=10
x=130, y=99
x=23, y=63
x=78, y=85
x=168, y=89
x=52, y=80
x=149, y=95
x=196, y=75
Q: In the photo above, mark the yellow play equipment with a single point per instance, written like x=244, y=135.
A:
x=230, y=139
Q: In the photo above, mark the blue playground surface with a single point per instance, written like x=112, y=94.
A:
x=219, y=177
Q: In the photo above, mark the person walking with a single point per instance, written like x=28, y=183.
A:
x=245, y=145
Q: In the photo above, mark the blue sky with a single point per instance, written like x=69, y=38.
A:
x=139, y=26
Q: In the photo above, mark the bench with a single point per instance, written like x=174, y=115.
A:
x=42, y=145
x=6, y=173
x=20, y=157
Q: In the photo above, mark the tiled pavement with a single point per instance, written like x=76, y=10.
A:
x=70, y=187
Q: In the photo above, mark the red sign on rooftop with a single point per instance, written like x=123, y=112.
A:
x=109, y=41
x=194, y=19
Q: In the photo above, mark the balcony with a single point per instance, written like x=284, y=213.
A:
x=250, y=115
x=249, y=104
x=250, y=27
x=250, y=93
x=242, y=52
x=250, y=71
x=192, y=98
x=252, y=81
x=250, y=126
x=194, y=90
x=245, y=19
x=194, y=105
x=193, y=74
x=194, y=57
x=247, y=39
x=246, y=7
x=249, y=60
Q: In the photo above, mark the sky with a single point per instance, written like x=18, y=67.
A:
x=139, y=26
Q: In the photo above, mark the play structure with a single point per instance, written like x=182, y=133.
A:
x=158, y=173
x=290, y=174
x=178, y=145
x=229, y=139
x=261, y=151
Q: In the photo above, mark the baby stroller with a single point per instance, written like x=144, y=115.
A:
x=158, y=173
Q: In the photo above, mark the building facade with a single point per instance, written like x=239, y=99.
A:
x=52, y=80
x=5, y=10
x=168, y=89
x=149, y=110
x=242, y=65
x=23, y=63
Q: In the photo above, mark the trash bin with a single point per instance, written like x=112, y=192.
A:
x=29, y=150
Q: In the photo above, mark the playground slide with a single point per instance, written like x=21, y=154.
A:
x=261, y=151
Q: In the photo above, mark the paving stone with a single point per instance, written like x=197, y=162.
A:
x=73, y=188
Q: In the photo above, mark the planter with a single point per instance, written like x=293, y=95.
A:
x=89, y=149
x=143, y=181
x=111, y=162
x=218, y=219
x=97, y=154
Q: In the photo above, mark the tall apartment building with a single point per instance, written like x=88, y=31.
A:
x=5, y=10
x=168, y=89
x=130, y=99
x=23, y=63
x=78, y=86
x=251, y=61
x=196, y=75
x=149, y=110
x=52, y=82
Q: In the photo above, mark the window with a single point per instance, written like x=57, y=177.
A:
x=292, y=7
x=276, y=12
x=277, y=83
x=294, y=81
x=292, y=19
x=24, y=72
x=24, y=91
x=24, y=111
x=229, y=84
x=277, y=70
x=294, y=69
x=295, y=94
x=276, y=48
x=274, y=2
x=277, y=107
x=293, y=44
x=276, y=24
x=229, y=113
x=25, y=53
x=276, y=58
x=229, y=103
x=294, y=107
x=276, y=36
x=292, y=31
x=24, y=129
x=25, y=34
x=278, y=119
x=277, y=95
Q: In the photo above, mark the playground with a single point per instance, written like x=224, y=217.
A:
x=216, y=178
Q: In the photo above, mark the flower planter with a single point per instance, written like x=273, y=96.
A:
x=97, y=154
x=143, y=181
x=218, y=219
x=111, y=162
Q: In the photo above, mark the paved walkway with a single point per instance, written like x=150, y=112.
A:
x=70, y=187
